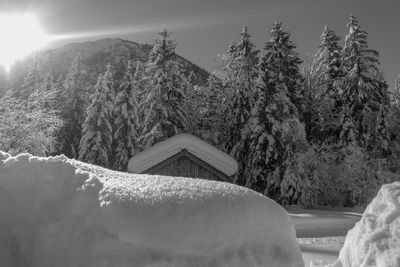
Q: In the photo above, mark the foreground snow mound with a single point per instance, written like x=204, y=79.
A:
x=375, y=239
x=60, y=212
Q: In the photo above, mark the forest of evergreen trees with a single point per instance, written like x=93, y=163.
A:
x=319, y=131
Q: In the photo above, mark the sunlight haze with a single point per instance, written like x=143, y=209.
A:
x=21, y=34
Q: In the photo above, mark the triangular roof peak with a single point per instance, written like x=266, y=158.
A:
x=167, y=148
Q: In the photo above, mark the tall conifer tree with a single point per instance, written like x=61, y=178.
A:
x=163, y=109
x=33, y=81
x=126, y=122
x=95, y=145
x=271, y=130
x=381, y=137
x=73, y=110
x=330, y=52
x=322, y=94
x=364, y=89
x=242, y=75
x=109, y=88
x=287, y=62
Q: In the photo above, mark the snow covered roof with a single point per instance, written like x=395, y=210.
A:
x=166, y=149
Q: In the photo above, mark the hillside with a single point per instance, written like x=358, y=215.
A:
x=95, y=56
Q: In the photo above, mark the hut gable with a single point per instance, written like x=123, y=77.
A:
x=184, y=155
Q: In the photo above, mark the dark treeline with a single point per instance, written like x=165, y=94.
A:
x=324, y=134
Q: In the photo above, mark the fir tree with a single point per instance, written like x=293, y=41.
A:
x=228, y=60
x=33, y=81
x=49, y=93
x=314, y=102
x=109, y=89
x=211, y=110
x=287, y=62
x=394, y=94
x=163, y=107
x=270, y=132
x=364, y=89
x=36, y=91
x=330, y=53
x=393, y=121
x=242, y=73
x=322, y=96
x=192, y=105
x=60, y=94
x=126, y=122
x=73, y=110
x=140, y=82
x=95, y=145
x=381, y=138
x=348, y=133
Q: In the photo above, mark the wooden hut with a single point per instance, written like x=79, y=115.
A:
x=186, y=156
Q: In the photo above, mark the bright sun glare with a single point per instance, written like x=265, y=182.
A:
x=20, y=35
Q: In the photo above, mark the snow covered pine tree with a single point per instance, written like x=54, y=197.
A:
x=364, y=89
x=240, y=82
x=126, y=122
x=163, y=107
x=73, y=110
x=274, y=122
x=95, y=145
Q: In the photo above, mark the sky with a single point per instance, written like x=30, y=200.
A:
x=203, y=29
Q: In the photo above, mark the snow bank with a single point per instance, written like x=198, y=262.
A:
x=60, y=212
x=375, y=239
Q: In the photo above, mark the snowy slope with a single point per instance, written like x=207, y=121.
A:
x=95, y=57
x=60, y=212
x=375, y=239
x=166, y=149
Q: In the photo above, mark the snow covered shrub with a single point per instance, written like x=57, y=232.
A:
x=298, y=184
x=24, y=129
x=319, y=171
x=386, y=177
x=338, y=177
x=360, y=182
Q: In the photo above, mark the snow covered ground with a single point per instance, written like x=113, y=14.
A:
x=320, y=251
x=373, y=239
x=321, y=233
x=60, y=212
x=322, y=223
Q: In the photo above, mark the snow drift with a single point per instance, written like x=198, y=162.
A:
x=375, y=239
x=60, y=212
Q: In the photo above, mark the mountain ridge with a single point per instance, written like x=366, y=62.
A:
x=95, y=55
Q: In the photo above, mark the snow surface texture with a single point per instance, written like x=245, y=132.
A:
x=375, y=239
x=60, y=212
x=165, y=149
